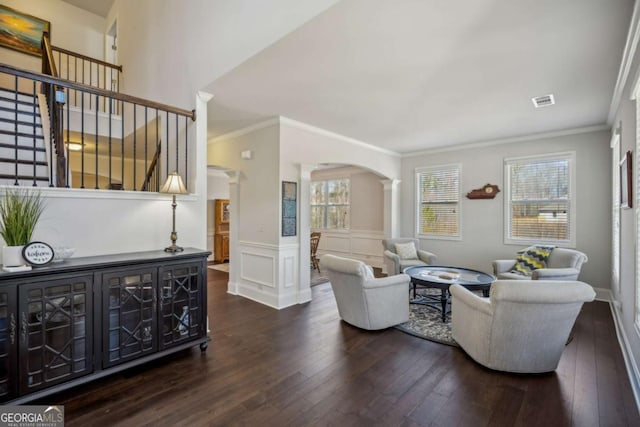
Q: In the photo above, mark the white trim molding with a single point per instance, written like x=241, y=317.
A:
x=628, y=54
x=363, y=245
x=627, y=354
x=268, y=274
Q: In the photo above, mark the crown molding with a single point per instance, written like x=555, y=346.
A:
x=284, y=121
x=630, y=47
x=245, y=130
x=524, y=138
x=319, y=131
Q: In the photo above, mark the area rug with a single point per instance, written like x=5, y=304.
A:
x=220, y=267
x=317, y=279
x=426, y=322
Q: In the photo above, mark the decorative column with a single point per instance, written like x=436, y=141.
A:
x=304, y=284
x=391, y=209
x=234, y=223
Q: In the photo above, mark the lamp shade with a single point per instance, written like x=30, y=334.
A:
x=174, y=184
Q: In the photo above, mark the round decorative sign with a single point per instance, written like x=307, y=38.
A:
x=37, y=253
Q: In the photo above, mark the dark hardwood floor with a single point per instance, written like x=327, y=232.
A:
x=303, y=366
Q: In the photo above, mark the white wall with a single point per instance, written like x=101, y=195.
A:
x=169, y=52
x=270, y=268
x=71, y=28
x=624, y=310
x=482, y=221
x=304, y=144
x=187, y=48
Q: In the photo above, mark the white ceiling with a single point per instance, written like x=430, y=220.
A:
x=99, y=7
x=408, y=75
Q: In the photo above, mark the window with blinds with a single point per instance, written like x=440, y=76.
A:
x=330, y=204
x=539, y=200
x=438, y=201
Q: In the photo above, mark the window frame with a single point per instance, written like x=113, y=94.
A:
x=418, y=202
x=326, y=204
x=570, y=156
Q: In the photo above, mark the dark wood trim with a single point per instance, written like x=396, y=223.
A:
x=48, y=54
x=87, y=58
x=9, y=69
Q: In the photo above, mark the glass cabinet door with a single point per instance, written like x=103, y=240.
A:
x=55, y=331
x=181, y=314
x=129, y=314
x=8, y=342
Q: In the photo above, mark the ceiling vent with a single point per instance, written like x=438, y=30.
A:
x=543, y=101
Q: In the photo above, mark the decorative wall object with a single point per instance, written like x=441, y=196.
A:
x=22, y=32
x=626, y=182
x=489, y=191
x=289, y=208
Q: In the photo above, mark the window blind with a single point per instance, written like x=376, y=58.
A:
x=540, y=199
x=439, y=197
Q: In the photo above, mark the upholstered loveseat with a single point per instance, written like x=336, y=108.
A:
x=562, y=264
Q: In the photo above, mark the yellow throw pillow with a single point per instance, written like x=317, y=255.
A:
x=532, y=258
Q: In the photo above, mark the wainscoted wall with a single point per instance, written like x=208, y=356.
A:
x=269, y=274
x=364, y=245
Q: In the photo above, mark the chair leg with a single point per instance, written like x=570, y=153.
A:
x=315, y=264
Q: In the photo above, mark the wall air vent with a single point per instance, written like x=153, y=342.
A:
x=543, y=101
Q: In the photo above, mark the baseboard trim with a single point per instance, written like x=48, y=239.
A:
x=603, y=294
x=627, y=354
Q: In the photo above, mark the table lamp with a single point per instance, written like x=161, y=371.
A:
x=174, y=185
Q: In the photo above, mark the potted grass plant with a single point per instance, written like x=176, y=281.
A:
x=20, y=210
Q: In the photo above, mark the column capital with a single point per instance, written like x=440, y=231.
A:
x=234, y=176
x=390, y=184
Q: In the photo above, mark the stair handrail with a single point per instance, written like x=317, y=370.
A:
x=48, y=62
x=96, y=91
x=152, y=169
x=86, y=58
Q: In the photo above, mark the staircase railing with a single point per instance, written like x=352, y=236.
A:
x=54, y=102
x=115, y=151
x=86, y=70
x=152, y=179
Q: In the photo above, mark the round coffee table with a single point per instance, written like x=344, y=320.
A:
x=440, y=277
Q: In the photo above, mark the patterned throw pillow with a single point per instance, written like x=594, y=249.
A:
x=406, y=250
x=532, y=258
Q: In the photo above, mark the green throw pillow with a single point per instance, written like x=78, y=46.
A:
x=532, y=258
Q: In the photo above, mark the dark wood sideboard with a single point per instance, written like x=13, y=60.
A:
x=68, y=323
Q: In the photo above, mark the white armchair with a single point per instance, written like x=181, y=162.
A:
x=395, y=264
x=364, y=301
x=522, y=327
x=563, y=264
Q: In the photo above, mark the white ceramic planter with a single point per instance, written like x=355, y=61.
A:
x=12, y=256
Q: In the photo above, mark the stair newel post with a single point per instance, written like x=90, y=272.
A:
x=61, y=161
